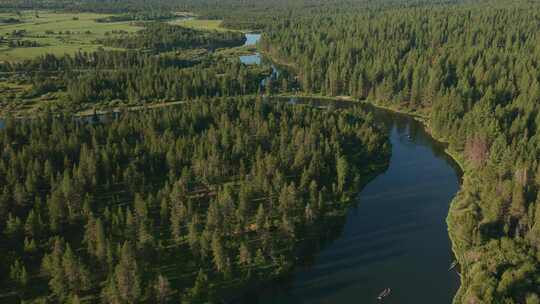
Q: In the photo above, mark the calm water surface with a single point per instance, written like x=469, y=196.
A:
x=394, y=237
x=252, y=39
x=251, y=59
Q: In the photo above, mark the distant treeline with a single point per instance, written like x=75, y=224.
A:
x=99, y=60
x=238, y=14
x=23, y=43
x=10, y=20
x=139, y=16
x=161, y=37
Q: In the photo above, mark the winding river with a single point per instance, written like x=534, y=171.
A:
x=395, y=236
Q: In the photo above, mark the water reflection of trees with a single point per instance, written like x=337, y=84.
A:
x=408, y=130
x=404, y=125
x=318, y=238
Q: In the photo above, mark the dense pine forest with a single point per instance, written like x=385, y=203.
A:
x=161, y=37
x=108, y=76
x=78, y=197
x=182, y=203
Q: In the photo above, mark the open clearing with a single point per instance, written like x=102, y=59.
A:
x=201, y=24
x=56, y=33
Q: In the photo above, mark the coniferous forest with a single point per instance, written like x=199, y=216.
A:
x=183, y=203
x=198, y=202
x=473, y=72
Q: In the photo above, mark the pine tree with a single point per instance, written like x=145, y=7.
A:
x=193, y=237
x=14, y=227
x=220, y=258
x=342, y=169
x=78, y=277
x=162, y=289
x=95, y=239
x=127, y=278
x=57, y=210
x=260, y=217
x=29, y=245
x=32, y=225
x=52, y=265
x=244, y=254
x=200, y=292
x=176, y=223
x=18, y=273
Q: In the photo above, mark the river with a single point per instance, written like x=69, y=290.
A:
x=252, y=39
x=395, y=236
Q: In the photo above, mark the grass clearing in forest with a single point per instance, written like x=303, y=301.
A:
x=16, y=99
x=200, y=24
x=55, y=33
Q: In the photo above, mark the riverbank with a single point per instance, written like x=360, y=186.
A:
x=421, y=117
x=456, y=156
x=425, y=120
x=395, y=231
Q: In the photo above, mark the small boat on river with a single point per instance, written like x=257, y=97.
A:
x=385, y=293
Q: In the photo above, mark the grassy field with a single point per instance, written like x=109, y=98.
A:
x=56, y=33
x=67, y=33
x=15, y=100
x=200, y=24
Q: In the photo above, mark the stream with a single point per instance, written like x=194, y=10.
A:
x=256, y=58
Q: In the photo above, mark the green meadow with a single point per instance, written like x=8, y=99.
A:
x=200, y=24
x=56, y=33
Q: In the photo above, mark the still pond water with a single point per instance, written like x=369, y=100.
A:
x=251, y=40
